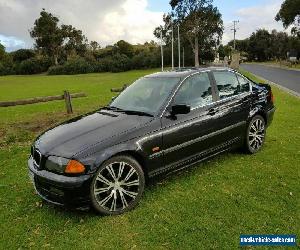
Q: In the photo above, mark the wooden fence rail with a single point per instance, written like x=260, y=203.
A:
x=66, y=96
x=119, y=89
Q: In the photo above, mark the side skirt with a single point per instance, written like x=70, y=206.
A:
x=204, y=155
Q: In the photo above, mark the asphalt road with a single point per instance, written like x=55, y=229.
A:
x=286, y=78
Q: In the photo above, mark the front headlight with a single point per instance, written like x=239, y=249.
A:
x=56, y=164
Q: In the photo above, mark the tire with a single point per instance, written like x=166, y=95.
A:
x=117, y=186
x=255, y=136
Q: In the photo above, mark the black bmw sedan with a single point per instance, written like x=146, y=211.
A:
x=161, y=123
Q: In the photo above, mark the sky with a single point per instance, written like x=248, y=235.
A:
x=132, y=20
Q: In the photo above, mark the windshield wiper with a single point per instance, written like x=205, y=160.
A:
x=129, y=112
x=135, y=112
x=112, y=108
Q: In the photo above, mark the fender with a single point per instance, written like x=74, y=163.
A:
x=129, y=147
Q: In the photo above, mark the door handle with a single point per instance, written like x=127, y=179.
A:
x=212, y=111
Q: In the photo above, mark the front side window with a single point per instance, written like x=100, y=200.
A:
x=227, y=84
x=244, y=83
x=195, y=91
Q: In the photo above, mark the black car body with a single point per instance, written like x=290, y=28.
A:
x=160, y=142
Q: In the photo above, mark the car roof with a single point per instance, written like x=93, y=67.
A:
x=183, y=72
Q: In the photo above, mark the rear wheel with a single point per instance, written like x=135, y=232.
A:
x=118, y=185
x=256, y=133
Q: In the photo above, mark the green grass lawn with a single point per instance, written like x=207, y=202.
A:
x=206, y=207
x=278, y=64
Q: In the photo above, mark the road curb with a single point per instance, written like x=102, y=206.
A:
x=291, y=92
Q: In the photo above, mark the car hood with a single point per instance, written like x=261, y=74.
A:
x=81, y=133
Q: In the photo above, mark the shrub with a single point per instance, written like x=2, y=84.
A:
x=33, y=66
x=5, y=69
x=120, y=63
x=75, y=66
x=103, y=65
x=22, y=54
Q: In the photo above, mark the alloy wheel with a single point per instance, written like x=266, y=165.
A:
x=256, y=134
x=116, y=186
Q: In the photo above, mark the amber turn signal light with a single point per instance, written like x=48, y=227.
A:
x=74, y=167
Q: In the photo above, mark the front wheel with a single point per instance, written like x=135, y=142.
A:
x=118, y=185
x=255, y=136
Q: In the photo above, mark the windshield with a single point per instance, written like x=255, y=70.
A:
x=146, y=94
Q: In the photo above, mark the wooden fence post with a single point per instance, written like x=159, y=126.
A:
x=67, y=98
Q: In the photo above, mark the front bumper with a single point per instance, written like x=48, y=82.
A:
x=270, y=115
x=59, y=189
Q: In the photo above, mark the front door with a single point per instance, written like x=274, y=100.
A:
x=187, y=136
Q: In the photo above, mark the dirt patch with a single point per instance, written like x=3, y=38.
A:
x=2, y=132
x=25, y=132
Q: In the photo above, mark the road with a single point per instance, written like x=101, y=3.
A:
x=289, y=79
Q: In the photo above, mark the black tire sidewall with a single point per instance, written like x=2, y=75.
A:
x=130, y=160
x=247, y=146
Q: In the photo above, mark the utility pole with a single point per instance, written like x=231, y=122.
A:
x=178, y=46
x=161, y=51
x=172, y=47
x=234, y=31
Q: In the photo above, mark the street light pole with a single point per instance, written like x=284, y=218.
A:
x=178, y=46
x=161, y=51
x=182, y=56
x=172, y=47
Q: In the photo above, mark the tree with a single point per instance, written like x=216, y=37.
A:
x=2, y=51
x=200, y=22
x=279, y=44
x=260, y=45
x=94, y=46
x=125, y=48
x=22, y=54
x=165, y=29
x=48, y=36
x=74, y=40
x=289, y=14
x=240, y=45
x=53, y=39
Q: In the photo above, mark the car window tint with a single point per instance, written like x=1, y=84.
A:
x=227, y=83
x=244, y=83
x=195, y=91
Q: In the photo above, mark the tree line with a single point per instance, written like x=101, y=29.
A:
x=63, y=49
x=263, y=45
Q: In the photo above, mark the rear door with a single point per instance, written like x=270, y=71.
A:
x=233, y=105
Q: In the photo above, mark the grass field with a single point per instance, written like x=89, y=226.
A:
x=206, y=207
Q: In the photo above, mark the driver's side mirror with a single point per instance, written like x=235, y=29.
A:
x=180, y=109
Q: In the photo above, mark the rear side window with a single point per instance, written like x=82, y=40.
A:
x=227, y=83
x=244, y=83
x=195, y=91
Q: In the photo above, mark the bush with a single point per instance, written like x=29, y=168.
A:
x=116, y=63
x=103, y=65
x=120, y=63
x=6, y=65
x=22, y=54
x=33, y=66
x=146, y=59
x=5, y=69
x=75, y=66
